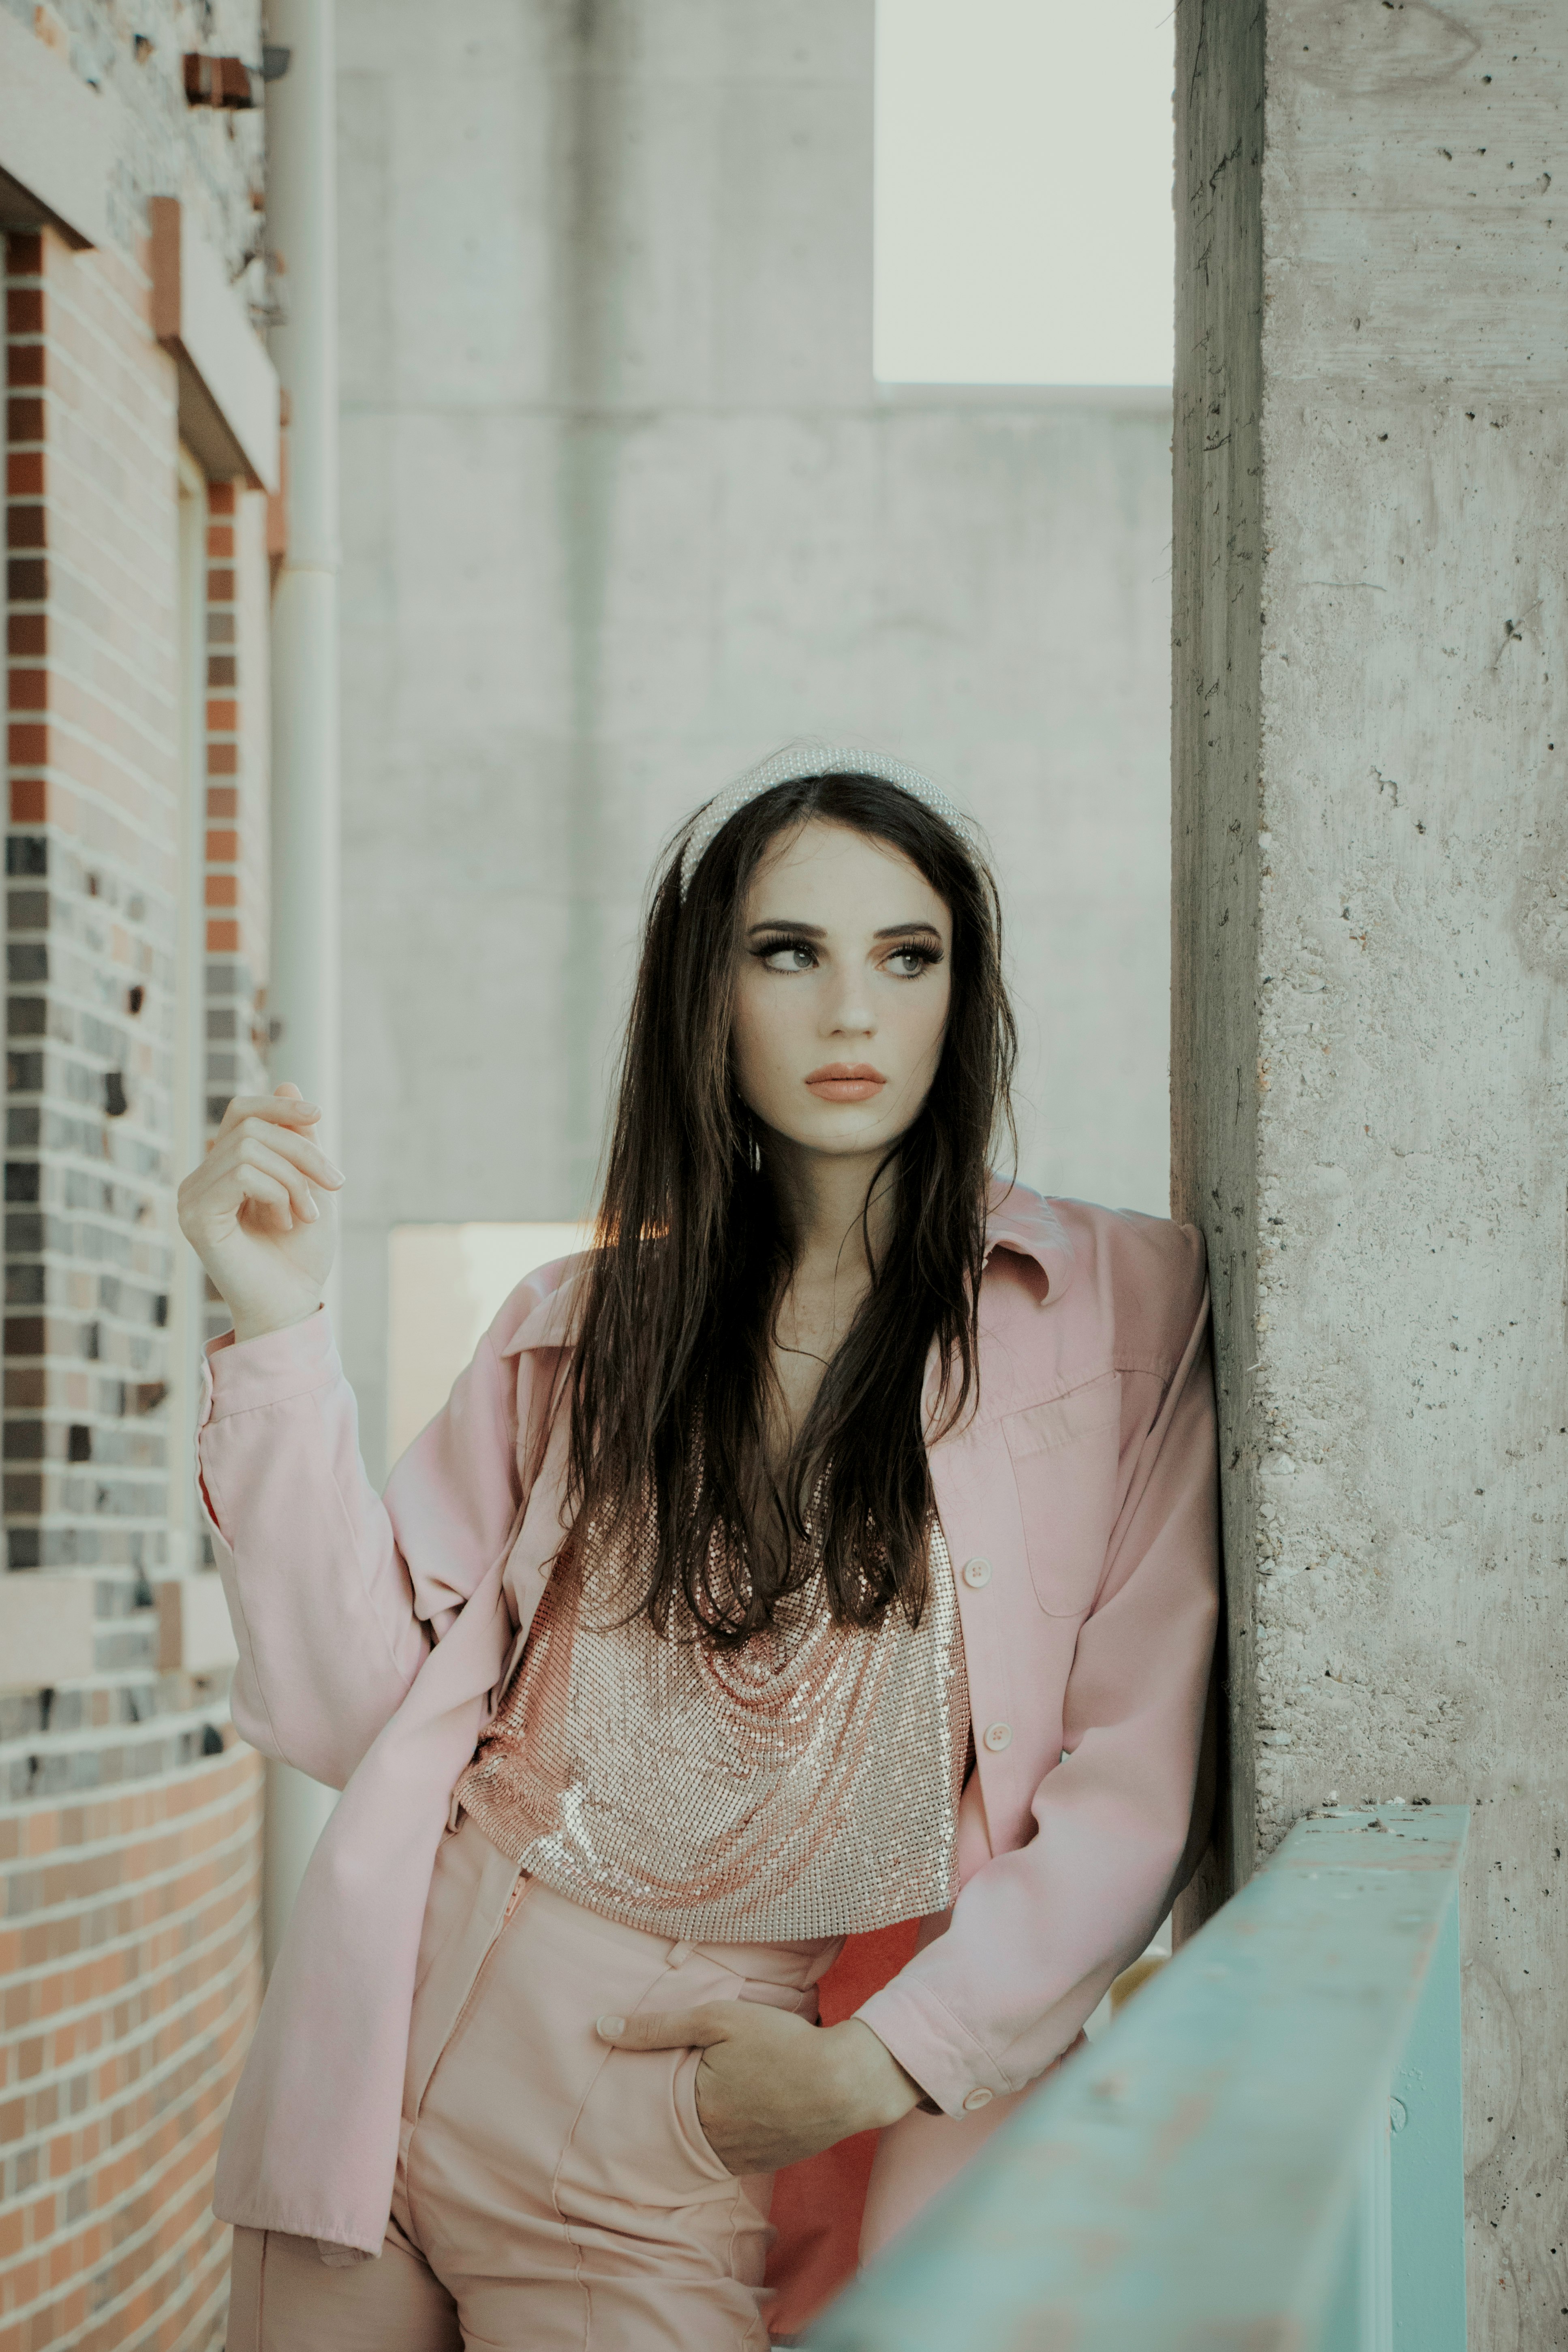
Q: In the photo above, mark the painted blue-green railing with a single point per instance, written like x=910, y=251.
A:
x=1263, y=2153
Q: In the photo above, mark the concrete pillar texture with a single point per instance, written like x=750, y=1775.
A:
x=1371, y=919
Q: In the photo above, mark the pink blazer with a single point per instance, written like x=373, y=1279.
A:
x=1078, y=1504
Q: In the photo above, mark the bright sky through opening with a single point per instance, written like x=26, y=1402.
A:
x=1023, y=170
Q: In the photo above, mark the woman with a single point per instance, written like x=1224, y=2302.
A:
x=831, y=1548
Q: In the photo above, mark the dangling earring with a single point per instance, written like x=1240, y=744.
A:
x=754, y=1152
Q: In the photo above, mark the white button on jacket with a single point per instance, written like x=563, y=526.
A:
x=997, y=1736
x=979, y=2097
x=977, y=1573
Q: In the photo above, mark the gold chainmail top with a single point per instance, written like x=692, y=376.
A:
x=806, y=1784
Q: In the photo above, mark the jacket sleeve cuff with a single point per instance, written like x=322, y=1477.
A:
x=954, y=2070
x=243, y=1374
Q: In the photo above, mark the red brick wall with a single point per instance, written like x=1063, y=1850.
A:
x=223, y=805
x=237, y=811
x=129, y=1962
x=92, y=858
x=128, y=1819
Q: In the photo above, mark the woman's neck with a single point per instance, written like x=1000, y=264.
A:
x=826, y=1213
x=822, y=1207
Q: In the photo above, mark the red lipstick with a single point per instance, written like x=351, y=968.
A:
x=845, y=1082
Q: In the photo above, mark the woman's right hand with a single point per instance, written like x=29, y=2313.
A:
x=258, y=1211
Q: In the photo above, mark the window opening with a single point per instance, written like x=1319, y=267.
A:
x=1024, y=171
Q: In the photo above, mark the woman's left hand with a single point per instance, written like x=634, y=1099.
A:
x=771, y=2088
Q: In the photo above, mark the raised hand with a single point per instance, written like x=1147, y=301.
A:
x=258, y=1211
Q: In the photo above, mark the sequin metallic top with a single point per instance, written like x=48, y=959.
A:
x=806, y=1784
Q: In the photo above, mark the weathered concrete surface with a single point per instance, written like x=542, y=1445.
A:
x=623, y=509
x=1214, y=698
x=1372, y=903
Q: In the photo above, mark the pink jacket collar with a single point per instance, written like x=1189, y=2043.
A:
x=1016, y=1219
x=1019, y=1220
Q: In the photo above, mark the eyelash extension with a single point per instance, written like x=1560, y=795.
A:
x=777, y=940
x=771, y=946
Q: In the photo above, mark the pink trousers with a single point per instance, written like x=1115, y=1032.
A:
x=551, y=2193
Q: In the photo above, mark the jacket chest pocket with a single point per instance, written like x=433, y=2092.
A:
x=1064, y=1456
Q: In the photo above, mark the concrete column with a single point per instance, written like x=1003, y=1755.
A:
x=303, y=991
x=1371, y=1115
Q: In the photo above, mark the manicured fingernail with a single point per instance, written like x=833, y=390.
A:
x=311, y=1210
x=336, y=1174
x=610, y=2028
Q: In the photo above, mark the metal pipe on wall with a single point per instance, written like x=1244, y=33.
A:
x=303, y=982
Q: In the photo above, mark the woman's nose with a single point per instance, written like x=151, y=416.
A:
x=850, y=1013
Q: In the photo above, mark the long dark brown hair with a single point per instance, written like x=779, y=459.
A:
x=672, y=1371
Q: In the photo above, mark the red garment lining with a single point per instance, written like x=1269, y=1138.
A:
x=818, y=2205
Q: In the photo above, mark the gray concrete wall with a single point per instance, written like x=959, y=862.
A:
x=622, y=509
x=1372, y=831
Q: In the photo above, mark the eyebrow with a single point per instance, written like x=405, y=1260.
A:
x=815, y=932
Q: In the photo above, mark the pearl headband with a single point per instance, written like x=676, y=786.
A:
x=794, y=764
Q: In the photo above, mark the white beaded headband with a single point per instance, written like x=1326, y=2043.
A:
x=794, y=764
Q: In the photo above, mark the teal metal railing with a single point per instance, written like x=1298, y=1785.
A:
x=1264, y=2154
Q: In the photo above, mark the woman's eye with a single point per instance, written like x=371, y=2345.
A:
x=908, y=964
x=788, y=955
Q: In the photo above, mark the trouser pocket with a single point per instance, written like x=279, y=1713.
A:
x=688, y=2114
